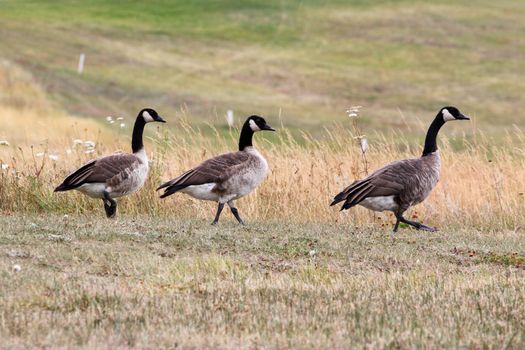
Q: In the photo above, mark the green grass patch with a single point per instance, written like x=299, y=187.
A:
x=306, y=62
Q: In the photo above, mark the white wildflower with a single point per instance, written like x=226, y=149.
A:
x=229, y=118
x=89, y=144
x=353, y=111
x=312, y=252
x=109, y=118
x=89, y=151
x=68, y=151
x=120, y=118
x=4, y=143
x=53, y=157
x=77, y=142
x=40, y=154
x=17, y=268
x=4, y=166
x=122, y=125
x=363, y=142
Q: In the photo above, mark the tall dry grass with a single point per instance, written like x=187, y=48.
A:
x=481, y=185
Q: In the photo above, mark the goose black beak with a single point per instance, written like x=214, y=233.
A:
x=462, y=117
x=159, y=119
x=268, y=127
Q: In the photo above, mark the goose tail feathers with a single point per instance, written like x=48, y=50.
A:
x=170, y=188
x=353, y=194
x=62, y=187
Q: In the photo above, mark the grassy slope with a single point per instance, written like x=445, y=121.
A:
x=306, y=60
x=30, y=123
x=156, y=284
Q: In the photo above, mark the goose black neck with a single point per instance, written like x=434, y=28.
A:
x=430, y=140
x=138, y=129
x=245, y=140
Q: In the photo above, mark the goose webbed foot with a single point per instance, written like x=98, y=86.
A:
x=427, y=228
x=219, y=210
x=419, y=226
x=235, y=212
x=110, y=205
x=415, y=224
x=111, y=210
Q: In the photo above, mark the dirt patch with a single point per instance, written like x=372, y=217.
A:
x=507, y=259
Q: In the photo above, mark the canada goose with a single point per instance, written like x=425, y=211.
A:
x=404, y=183
x=228, y=176
x=116, y=175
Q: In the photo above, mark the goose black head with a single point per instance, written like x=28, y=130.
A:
x=150, y=115
x=451, y=113
x=257, y=123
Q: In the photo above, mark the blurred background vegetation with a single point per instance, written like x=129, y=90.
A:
x=301, y=62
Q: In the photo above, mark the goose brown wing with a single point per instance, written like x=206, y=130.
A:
x=101, y=170
x=391, y=180
x=214, y=170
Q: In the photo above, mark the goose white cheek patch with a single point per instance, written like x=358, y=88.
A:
x=447, y=116
x=147, y=117
x=254, y=126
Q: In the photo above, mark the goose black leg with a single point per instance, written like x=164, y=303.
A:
x=235, y=212
x=417, y=225
x=110, y=205
x=219, y=210
x=396, y=226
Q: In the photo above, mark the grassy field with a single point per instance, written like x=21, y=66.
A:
x=302, y=61
x=482, y=183
x=166, y=283
x=300, y=274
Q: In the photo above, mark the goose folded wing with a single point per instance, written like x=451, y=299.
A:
x=214, y=170
x=390, y=180
x=102, y=170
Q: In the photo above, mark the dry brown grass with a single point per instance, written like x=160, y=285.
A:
x=480, y=186
x=163, y=283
